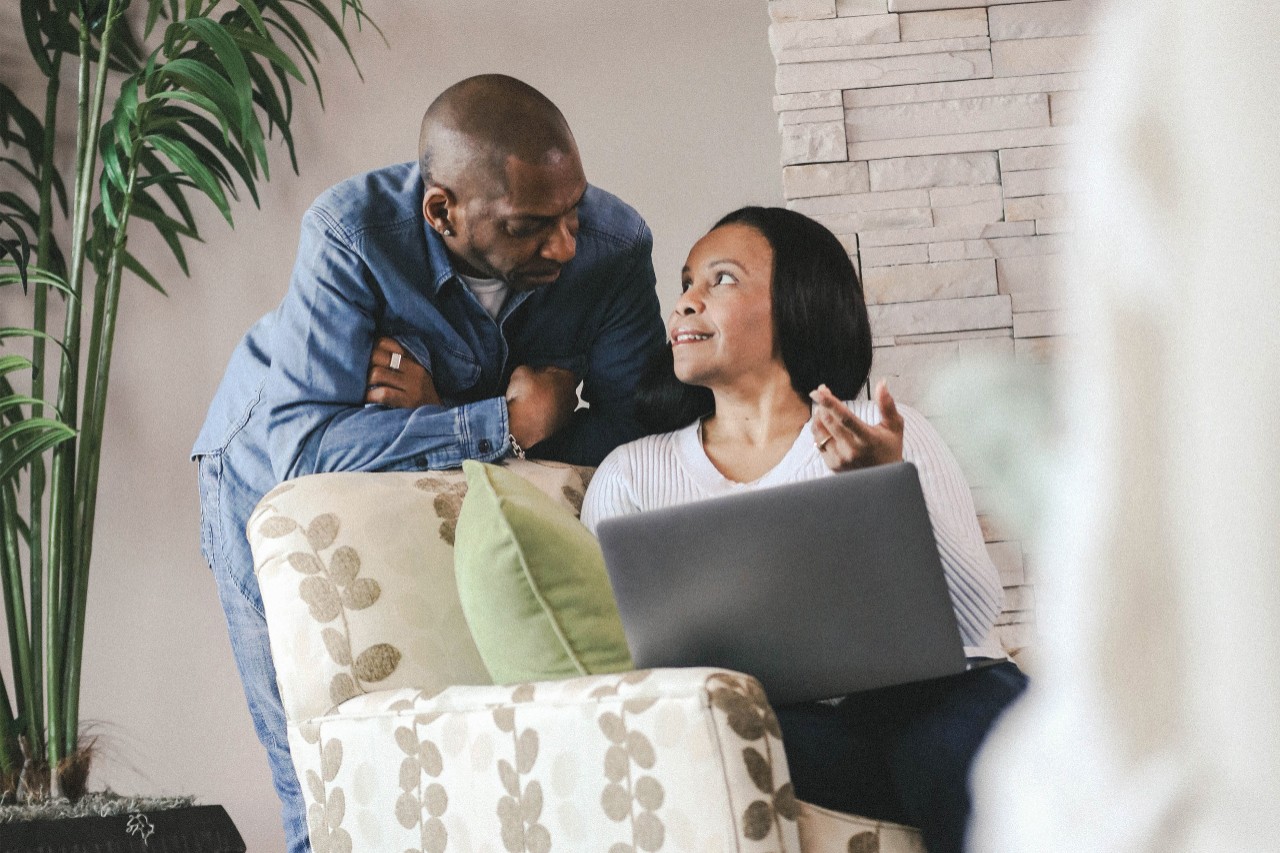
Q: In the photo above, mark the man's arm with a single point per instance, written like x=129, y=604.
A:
x=314, y=393
x=631, y=332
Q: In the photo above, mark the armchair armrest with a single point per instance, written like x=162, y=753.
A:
x=617, y=763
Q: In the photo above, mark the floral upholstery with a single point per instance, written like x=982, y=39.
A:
x=402, y=744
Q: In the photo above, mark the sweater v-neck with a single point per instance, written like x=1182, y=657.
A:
x=693, y=457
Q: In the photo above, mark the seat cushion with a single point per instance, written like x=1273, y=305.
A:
x=532, y=584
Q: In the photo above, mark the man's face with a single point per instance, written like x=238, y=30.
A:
x=527, y=235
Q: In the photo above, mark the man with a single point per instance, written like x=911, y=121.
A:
x=438, y=311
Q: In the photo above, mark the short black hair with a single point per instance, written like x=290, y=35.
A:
x=820, y=322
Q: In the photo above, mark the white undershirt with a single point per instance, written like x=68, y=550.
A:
x=490, y=292
x=673, y=468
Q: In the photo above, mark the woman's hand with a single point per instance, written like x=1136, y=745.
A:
x=844, y=442
x=396, y=380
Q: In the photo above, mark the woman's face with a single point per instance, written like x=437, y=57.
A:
x=721, y=330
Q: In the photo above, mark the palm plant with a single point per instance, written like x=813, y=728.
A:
x=192, y=83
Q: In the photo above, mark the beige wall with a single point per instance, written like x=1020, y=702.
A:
x=670, y=102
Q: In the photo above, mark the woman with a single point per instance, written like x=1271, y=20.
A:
x=768, y=337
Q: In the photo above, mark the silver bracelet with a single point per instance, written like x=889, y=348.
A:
x=516, y=450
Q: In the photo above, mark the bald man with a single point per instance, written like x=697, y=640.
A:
x=438, y=311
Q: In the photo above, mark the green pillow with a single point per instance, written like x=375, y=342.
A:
x=532, y=583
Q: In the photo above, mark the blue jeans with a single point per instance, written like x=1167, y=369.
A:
x=900, y=753
x=225, y=548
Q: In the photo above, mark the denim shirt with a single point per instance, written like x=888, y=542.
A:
x=368, y=265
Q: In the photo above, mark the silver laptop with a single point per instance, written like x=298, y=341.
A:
x=818, y=589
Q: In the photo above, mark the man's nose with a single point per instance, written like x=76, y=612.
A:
x=561, y=246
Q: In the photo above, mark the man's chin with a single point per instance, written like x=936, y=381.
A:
x=530, y=281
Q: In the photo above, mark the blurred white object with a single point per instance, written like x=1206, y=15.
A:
x=1153, y=722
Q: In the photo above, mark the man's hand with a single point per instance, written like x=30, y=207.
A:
x=406, y=385
x=844, y=442
x=539, y=402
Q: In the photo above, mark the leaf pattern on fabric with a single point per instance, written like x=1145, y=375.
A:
x=447, y=504
x=629, y=795
x=864, y=842
x=422, y=802
x=520, y=810
x=746, y=710
x=328, y=807
x=330, y=588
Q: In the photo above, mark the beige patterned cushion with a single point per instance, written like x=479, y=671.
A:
x=670, y=760
x=356, y=572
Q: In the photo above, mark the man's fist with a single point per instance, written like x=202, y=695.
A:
x=396, y=380
x=540, y=401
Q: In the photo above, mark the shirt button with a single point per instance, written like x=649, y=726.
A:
x=485, y=445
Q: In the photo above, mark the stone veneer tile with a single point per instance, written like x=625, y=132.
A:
x=890, y=71
x=801, y=10
x=807, y=101
x=899, y=219
x=1005, y=247
x=1035, y=207
x=1037, y=324
x=1064, y=107
x=833, y=32
x=821, y=142
x=1054, y=225
x=824, y=179
x=1041, y=20
x=930, y=5
x=1007, y=557
x=1034, y=182
x=962, y=89
x=963, y=195
x=967, y=231
x=1041, y=157
x=889, y=256
x=1034, y=282
x=787, y=117
x=988, y=140
x=881, y=51
x=919, y=282
x=1037, y=56
x=935, y=118
x=1035, y=350
x=955, y=23
x=860, y=202
x=980, y=211
x=849, y=8
x=972, y=335
x=899, y=173
x=941, y=315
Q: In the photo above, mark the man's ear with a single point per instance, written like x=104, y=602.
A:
x=437, y=206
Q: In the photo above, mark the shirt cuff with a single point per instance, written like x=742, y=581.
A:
x=483, y=429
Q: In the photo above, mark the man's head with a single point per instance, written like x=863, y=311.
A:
x=503, y=180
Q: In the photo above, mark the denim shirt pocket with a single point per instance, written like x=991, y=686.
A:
x=452, y=370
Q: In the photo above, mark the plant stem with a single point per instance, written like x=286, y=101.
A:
x=61, y=509
x=102, y=341
x=44, y=247
x=15, y=611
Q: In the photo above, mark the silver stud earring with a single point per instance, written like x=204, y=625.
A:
x=448, y=232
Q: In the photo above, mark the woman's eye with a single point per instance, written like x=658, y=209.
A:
x=724, y=278
x=684, y=286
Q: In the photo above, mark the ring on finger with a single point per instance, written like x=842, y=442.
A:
x=821, y=444
x=395, y=361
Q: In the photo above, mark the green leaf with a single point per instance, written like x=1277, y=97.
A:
x=53, y=434
x=201, y=78
x=228, y=53
x=267, y=49
x=185, y=159
x=198, y=100
x=254, y=13
x=18, y=332
x=31, y=27
x=10, y=363
x=134, y=266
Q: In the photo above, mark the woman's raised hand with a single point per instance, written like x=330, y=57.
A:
x=845, y=442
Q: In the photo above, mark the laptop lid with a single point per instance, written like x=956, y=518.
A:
x=818, y=589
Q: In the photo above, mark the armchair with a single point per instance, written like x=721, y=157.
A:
x=402, y=743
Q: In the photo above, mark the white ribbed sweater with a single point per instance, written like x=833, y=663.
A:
x=671, y=469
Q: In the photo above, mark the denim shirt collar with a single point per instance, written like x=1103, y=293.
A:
x=437, y=258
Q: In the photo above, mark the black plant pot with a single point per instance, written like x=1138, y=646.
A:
x=191, y=829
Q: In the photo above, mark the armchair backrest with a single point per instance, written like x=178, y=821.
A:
x=357, y=580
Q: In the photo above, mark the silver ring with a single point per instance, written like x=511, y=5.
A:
x=395, y=361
